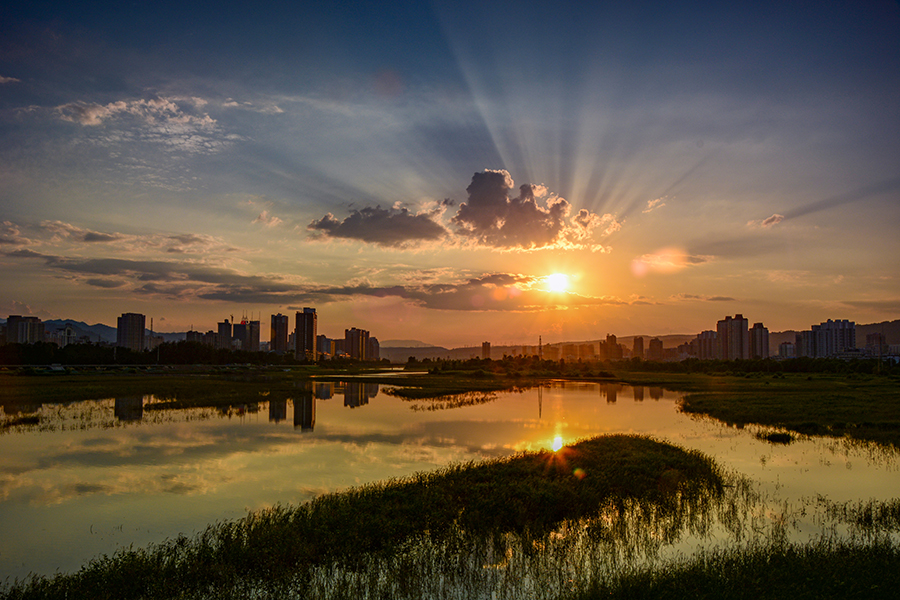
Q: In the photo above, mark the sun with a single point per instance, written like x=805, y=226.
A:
x=557, y=282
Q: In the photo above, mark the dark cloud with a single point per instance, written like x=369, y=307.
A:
x=185, y=281
x=105, y=283
x=492, y=218
x=93, y=236
x=703, y=298
x=773, y=220
x=385, y=227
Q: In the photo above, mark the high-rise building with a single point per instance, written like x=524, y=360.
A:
x=24, y=330
x=733, y=338
x=833, y=337
x=655, y=350
x=251, y=344
x=373, y=349
x=759, y=341
x=278, y=333
x=239, y=335
x=305, y=334
x=130, y=331
x=356, y=342
x=637, y=350
x=485, y=349
x=707, y=345
x=613, y=350
x=223, y=337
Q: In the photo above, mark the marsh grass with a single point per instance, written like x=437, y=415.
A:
x=823, y=570
x=859, y=407
x=459, y=520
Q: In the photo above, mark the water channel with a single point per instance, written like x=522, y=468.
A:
x=96, y=476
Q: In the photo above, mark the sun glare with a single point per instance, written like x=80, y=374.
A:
x=557, y=282
x=557, y=443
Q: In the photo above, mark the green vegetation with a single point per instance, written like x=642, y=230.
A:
x=826, y=570
x=862, y=407
x=449, y=512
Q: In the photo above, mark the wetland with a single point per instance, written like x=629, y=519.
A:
x=568, y=486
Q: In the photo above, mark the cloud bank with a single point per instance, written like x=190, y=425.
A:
x=534, y=219
x=386, y=227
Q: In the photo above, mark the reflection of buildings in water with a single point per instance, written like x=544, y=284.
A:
x=540, y=401
x=305, y=411
x=638, y=393
x=656, y=393
x=358, y=394
x=611, y=391
x=324, y=391
x=20, y=408
x=277, y=410
x=129, y=408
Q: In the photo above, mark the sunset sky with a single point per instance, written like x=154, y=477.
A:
x=452, y=172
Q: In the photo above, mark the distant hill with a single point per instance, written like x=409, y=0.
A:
x=405, y=344
x=101, y=332
x=97, y=332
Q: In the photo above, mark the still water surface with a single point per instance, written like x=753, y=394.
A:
x=100, y=475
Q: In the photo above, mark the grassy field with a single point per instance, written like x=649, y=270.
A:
x=823, y=571
x=860, y=407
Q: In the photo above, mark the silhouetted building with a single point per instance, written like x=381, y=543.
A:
x=485, y=349
x=373, y=349
x=637, y=349
x=834, y=337
x=707, y=346
x=130, y=331
x=827, y=339
x=223, y=337
x=278, y=333
x=759, y=341
x=239, y=336
x=787, y=350
x=733, y=338
x=252, y=340
x=305, y=334
x=356, y=342
x=655, y=349
x=193, y=336
x=24, y=330
x=613, y=350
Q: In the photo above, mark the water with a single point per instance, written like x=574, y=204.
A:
x=97, y=476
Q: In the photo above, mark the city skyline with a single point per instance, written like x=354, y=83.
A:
x=564, y=171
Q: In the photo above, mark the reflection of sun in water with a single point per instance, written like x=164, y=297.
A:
x=557, y=282
x=557, y=443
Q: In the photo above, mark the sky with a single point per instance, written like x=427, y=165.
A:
x=452, y=172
